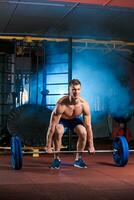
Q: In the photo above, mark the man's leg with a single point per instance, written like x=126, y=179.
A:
x=57, y=145
x=58, y=137
x=81, y=143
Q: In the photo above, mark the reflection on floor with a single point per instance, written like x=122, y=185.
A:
x=101, y=180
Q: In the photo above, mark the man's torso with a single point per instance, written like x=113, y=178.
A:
x=69, y=110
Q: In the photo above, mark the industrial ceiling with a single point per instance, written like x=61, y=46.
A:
x=89, y=19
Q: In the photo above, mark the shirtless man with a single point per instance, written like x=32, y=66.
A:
x=67, y=114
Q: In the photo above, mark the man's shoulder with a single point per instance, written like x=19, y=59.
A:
x=83, y=101
x=85, y=105
x=62, y=100
x=60, y=105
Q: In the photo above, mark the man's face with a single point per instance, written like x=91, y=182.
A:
x=74, y=91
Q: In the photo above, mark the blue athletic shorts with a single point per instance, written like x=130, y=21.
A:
x=70, y=123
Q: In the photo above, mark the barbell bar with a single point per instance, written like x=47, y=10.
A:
x=40, y=151
x=69, y=152
x=120, y=151
x=55, y=152
x=24, y=148
x=61, y=152
x=5, y=148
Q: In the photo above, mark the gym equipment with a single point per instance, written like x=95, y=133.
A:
x=30, y=123
x=120, y=151
x=16, y=153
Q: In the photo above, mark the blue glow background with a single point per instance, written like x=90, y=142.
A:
x=104, y=78
x=105, y=82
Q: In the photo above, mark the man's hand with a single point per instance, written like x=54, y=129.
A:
x=91, y=150
x=48, y=149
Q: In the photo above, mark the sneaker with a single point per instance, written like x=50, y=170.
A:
x=80, y=163
x=55, y=164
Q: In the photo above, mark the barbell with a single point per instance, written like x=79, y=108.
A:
x=120, y=152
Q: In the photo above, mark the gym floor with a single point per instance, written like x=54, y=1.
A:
x=102, y=180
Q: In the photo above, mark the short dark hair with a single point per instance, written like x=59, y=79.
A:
x=74, y=82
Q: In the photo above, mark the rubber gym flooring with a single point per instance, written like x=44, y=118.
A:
x=102, y=180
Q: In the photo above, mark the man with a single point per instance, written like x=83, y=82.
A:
x=67, y=114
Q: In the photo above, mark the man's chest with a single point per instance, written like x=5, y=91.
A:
x=73, y=110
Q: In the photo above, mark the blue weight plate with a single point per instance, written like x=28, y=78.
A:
x=16, y=153
x=125, y=151
x=121, y=153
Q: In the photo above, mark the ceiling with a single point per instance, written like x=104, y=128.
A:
x=93, y=19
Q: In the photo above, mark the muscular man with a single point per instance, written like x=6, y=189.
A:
x=67, y=114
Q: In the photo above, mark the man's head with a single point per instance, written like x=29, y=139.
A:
x=74, y=88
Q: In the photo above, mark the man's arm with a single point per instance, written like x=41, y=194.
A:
x=87, y=124
x=54, y=120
